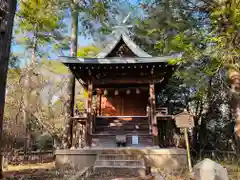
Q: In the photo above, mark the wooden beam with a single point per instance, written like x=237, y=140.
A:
x=137, y=80
x=98, y=105
x=152, y=100
x=119, y=86
x=188, y=149
x=89, y=114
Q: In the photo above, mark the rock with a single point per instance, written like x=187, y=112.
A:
x=209, y=170
x=158, y=177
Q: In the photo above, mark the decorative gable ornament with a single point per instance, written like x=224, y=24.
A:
x=120, y=34
x=184, y=120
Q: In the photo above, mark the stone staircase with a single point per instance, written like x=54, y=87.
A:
x=120, y=164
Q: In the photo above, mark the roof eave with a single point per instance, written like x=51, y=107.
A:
x=117, y=60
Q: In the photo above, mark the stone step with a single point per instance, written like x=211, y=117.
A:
x=119, y=163
x=122, y=171
x=118, y=157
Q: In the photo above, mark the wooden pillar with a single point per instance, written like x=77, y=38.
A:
x=75, y=135
x=98, y=104
x=188, y=149
x=152, y=100
x=149, y=119
x=89, y=114
x=71, y=123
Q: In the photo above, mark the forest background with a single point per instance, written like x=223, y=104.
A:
x=207, y=83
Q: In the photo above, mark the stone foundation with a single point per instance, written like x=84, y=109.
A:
x=167, y=159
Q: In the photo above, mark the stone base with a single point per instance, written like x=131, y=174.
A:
x=167, y=159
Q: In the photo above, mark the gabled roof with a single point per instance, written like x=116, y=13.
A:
x=117, y=60
x=130, y=44
x=141, y=57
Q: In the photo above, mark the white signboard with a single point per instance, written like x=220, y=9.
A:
x=134, y=140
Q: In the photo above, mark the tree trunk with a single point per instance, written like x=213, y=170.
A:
x=7, y=13
x=67, y=138
x=56, y=138
x=203, y=140
x=25, y=110
x=29, y=73
x=234, y=79
x=197, y=117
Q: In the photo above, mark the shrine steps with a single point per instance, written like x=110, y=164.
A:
x=169, y=159
x=109, y=140
x=120, y=164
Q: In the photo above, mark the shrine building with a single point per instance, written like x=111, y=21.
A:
x=122, y=82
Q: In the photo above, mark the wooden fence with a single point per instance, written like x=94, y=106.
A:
x=30, y=158
x=216, y=155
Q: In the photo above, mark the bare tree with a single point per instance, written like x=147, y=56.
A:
x=46, y=99
x=71, y=84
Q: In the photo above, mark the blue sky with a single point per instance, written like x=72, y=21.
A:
x=82, y=40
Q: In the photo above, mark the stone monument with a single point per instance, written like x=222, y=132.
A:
x=210, y=170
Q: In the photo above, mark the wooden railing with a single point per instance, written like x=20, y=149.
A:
x=81, y=113
x=161, y=111
x=30, y=157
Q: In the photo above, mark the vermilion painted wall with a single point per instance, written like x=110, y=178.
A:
x=125, y=104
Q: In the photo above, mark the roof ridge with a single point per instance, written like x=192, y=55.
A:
x=128, y=41
x=134, y=47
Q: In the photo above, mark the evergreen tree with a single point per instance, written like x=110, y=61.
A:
x=207, y=34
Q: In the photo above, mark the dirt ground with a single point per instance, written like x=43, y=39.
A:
x=43, y=171
x=47, y=171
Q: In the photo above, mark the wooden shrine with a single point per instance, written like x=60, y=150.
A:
x=122, y=82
